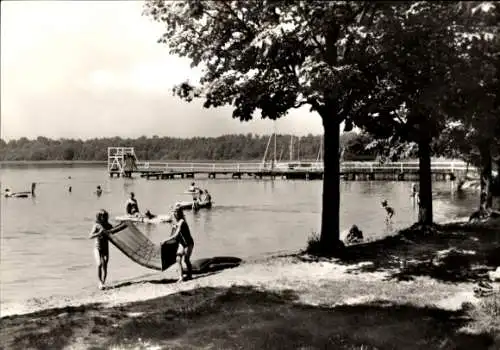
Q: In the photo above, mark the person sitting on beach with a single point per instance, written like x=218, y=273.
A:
x=98, y=191
x=132, y=208
x=355, y=235
x=101, y=250
x=389, y=211
x=181, y=232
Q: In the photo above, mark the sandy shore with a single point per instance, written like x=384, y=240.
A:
x=351, y=297
x=273, y=274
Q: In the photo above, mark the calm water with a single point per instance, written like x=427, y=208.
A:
x=44, y=245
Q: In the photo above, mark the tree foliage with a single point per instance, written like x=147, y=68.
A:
x=474, y=102
x=420, y=68
x=393, y=68
x=271, y=56
x=248, y=147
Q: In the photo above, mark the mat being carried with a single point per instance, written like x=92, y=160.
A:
x=139, y=248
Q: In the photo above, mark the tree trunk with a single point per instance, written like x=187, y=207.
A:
x=486, y=197
x=330, y=235
x=425, y=179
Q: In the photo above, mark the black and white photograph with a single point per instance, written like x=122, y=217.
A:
x=249, y=174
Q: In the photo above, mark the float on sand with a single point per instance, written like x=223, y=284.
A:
x=414, y=290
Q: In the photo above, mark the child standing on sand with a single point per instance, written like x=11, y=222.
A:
x=180, y=230
x=101, y=250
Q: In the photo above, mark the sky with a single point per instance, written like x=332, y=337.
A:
x=85, y=69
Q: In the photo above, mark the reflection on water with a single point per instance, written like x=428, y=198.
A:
x=45, y=249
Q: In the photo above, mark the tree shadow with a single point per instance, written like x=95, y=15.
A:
x=450, y=253
x=247, y=318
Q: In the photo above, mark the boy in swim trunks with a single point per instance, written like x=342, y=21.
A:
x=389, y=211
x=101, y=250
x=180, y=230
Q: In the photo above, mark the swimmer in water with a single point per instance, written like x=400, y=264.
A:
x=131, y=206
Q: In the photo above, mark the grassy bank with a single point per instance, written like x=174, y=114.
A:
x=243, y=318
x=411, y=291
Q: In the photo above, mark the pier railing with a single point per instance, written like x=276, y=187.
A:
x=441, y=166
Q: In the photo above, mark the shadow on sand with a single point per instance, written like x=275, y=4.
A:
x=243, y=318
x=450, y=253
x=201, y=268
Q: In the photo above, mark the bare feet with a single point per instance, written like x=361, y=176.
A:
x=184, y=278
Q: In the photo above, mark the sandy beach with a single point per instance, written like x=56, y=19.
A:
x=383, y=295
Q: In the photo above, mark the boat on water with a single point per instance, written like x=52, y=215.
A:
x=295, y=163
x=157, y=219
x=193, y=205
x=21, y=194
x=25, y=194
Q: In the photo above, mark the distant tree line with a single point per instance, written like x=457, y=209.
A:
x=226, y=147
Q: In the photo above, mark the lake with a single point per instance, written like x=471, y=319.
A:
x=45, y=250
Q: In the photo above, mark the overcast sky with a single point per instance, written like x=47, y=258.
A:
x=81, y=69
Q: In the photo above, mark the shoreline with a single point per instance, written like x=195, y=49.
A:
x=261, y=274
x=412, y=290
x=123, y=291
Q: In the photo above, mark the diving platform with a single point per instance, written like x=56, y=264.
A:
x=122, y=161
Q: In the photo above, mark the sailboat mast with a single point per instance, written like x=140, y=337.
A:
x=291, y=148
x=320, y=151
x=274, y=143
x=281, y=153
x=267, y=147
x=298, y=150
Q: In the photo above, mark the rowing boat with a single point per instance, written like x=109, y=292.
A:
x=188, y=205
x=158, y=219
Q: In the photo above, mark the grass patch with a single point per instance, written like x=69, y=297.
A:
x=316, y=248
x=450, y=253
x=313, y=244
x=245, y=318
x=486, y=314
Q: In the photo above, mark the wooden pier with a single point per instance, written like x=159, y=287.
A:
x=350, y=171
x=123, y=162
